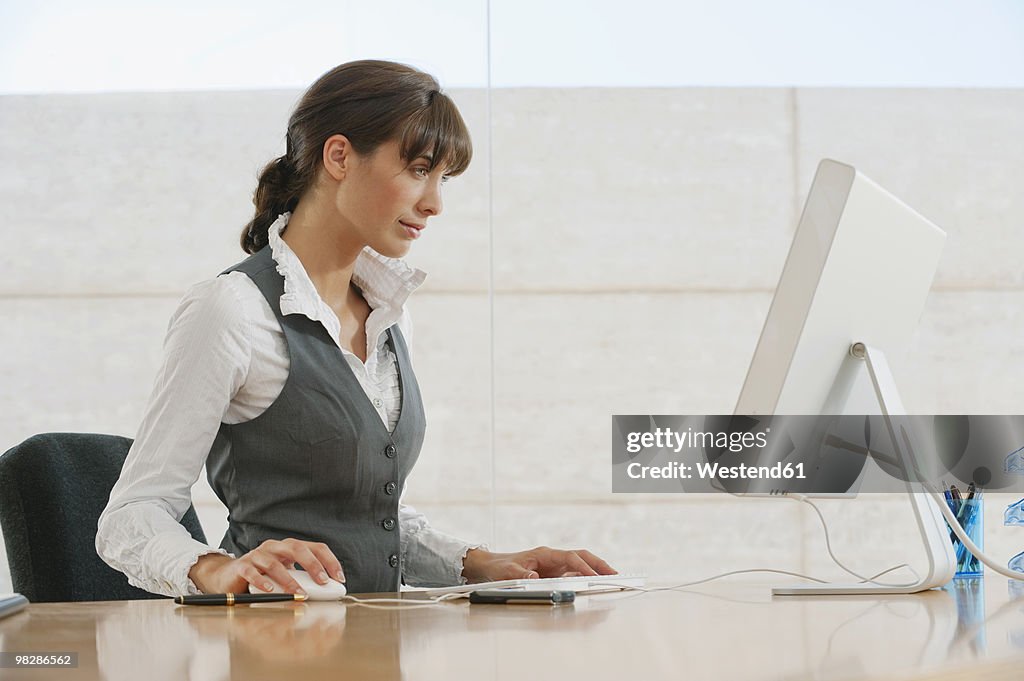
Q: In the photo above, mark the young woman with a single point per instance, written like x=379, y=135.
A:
x=289, y=374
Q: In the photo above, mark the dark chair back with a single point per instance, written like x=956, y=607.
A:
x=53, y=488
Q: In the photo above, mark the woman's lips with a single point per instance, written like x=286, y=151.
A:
x=411, y=230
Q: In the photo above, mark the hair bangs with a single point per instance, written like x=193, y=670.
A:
x=438, y=132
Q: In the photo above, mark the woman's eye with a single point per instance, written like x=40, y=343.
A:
x=421, y=172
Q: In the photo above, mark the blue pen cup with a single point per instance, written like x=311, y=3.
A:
x=972, y=517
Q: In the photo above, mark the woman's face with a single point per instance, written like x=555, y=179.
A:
x=386, y=201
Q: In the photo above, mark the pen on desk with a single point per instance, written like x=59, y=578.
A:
x=236, y=599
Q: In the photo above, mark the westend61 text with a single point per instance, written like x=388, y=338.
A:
x=707, y=471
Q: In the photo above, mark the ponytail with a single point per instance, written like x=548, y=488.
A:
x=275, y=194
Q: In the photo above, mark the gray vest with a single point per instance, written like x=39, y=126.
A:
x=319, y=464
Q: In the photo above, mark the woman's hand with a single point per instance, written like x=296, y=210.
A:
x=217, y=573
x=484, y=566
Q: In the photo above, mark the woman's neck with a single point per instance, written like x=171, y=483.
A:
x=327, y=256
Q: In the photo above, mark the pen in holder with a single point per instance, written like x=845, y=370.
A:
x=969, y=510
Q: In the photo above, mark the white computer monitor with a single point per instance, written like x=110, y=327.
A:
x=858, y=271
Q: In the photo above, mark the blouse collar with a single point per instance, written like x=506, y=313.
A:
x=386, y=284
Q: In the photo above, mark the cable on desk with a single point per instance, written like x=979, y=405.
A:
x=828, y=547
x=401, y=603
x=740, y=572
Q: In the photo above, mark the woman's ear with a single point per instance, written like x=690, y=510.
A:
x=338, y=156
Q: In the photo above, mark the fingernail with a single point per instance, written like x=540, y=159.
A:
x=267, y=586
x=341, y=576
x=322, y=577
x=301, y=591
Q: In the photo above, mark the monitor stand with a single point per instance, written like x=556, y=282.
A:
x=934, y=535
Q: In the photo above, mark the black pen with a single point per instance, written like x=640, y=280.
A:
x=236, y=599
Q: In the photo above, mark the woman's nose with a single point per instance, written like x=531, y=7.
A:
x=431, y=203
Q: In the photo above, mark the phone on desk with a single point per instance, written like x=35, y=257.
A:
x=514, y=596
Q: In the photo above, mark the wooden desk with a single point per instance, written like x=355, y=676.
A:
x=729, y=630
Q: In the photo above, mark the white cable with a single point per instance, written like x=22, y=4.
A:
x=828, y=547
x=753, y=569
x=961, y=534
x=740, y=572
x=401, y=603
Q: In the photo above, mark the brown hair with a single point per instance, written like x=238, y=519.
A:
x=370, y=102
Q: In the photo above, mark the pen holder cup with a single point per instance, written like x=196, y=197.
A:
x=971, y=515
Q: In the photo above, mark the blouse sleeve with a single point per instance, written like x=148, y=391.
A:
x=431, y=557
x=206, y=358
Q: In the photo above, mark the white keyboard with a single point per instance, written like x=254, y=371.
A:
x=577, y=584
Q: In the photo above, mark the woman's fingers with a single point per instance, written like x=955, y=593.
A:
x=329, y=561
x=252, y=574
x=576, y=564
x=275, y=558
x=598, y=564
x=279, y=574
x=319, y=561
x=305, y=557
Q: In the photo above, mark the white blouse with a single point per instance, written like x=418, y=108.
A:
x=226, y=360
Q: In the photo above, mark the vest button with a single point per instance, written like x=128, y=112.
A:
x=390, y=451
x=388, y=524
x=393, y=560
x=390, y=488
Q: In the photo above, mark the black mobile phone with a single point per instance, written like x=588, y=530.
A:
x=510, y=596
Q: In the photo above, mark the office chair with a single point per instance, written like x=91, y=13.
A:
x=53, y=488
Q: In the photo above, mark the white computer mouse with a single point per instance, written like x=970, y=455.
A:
x=331, y=591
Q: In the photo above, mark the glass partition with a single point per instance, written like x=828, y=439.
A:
x=650, y=162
